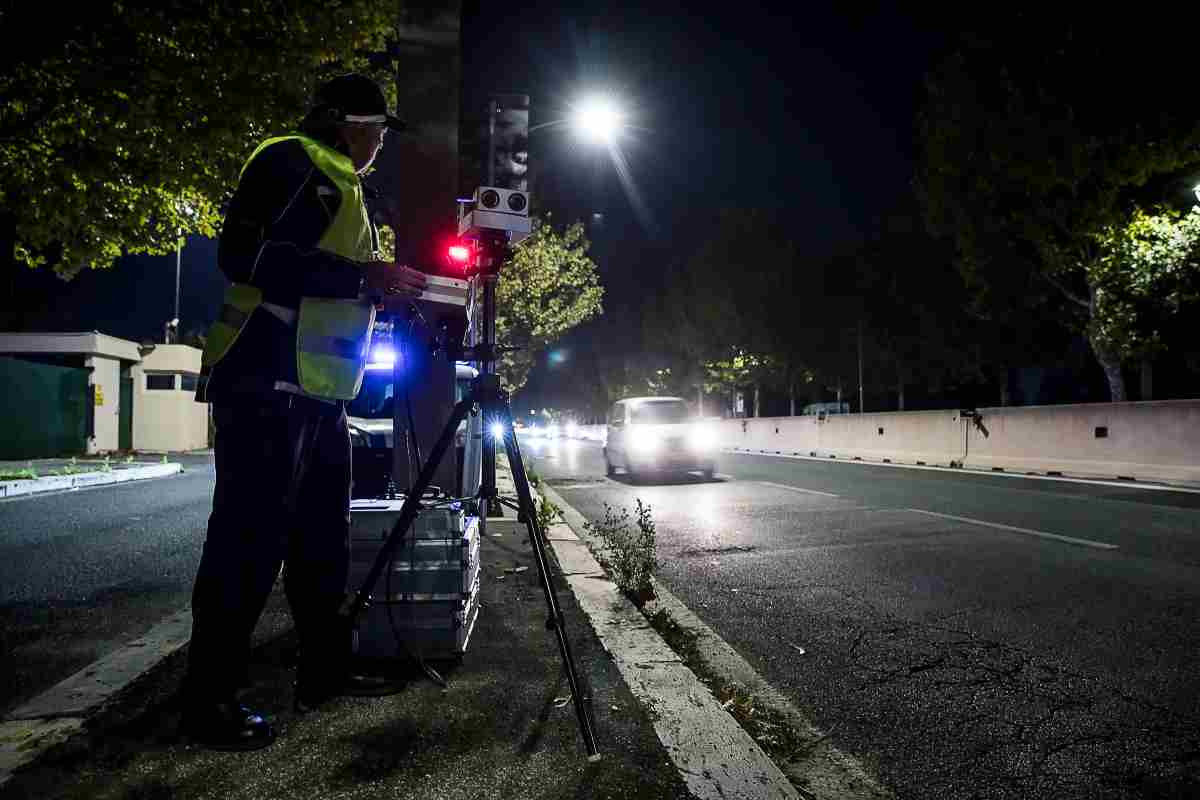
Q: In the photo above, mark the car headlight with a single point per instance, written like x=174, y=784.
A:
x=703, y=439
x=645, y=442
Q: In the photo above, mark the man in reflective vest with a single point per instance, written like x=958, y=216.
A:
x=287, y=351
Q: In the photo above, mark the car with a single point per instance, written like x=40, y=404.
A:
x=658, y=435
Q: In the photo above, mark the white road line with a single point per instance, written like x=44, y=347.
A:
x=1025, y=531
x=796, y=488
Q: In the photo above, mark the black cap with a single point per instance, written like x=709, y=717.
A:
x=356, y=98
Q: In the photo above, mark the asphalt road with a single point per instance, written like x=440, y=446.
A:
x=955, y=659
x=83, y=572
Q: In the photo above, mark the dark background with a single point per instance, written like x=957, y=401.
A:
x=806, y=112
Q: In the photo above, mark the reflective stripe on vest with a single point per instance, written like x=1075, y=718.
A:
x=325, y=350
x=240, y=300
x=333, y=336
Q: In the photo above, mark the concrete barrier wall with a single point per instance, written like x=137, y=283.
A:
x=1147, y=441
x=1140, y=440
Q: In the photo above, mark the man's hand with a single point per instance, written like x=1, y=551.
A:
x=385, y=280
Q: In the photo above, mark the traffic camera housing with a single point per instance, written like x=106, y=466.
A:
x=495, y=209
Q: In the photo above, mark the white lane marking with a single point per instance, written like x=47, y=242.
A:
x=1025, y=531
x=1013, y=472
x=797, y=489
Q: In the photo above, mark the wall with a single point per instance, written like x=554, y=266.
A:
x=168, y=419
x=106, y=378
x=1145, y=441
x=43, y=409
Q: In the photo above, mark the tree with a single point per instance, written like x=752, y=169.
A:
x=125, y=122
x=547, y=287
x=1148, y=273
x=1034, y=152
x=731, y=307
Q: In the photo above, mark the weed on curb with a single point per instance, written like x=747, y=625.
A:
x=629, y=553
x=770, y=729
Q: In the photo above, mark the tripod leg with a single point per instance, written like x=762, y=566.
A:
x=536, y=539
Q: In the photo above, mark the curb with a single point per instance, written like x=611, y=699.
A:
x=61, y=711
x=823, y=770
x=82, y=480
x=715, y=756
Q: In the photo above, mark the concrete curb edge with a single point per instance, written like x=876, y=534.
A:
x=25, y=487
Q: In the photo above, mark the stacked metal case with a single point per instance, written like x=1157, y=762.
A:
x=427, y=597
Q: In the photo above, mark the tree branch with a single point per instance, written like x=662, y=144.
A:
x=1074, y=298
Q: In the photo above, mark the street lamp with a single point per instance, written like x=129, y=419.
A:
x=597, y=119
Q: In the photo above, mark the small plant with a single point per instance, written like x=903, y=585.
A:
x=630, y=550
x=547, y=514
x=129, y=458
x=18, y=475
x=164, y=458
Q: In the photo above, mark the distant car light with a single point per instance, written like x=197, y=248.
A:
x=497, y=430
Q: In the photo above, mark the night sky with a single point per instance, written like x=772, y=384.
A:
x=810, y=112
x=755, y=105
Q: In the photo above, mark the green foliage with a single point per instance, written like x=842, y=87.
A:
x=131, y=120
x=1147, y=273
x=548, y=286
x=18, y=475
x=630, y=552
x=547, y=514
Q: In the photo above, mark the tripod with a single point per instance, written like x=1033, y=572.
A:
x=492, y=403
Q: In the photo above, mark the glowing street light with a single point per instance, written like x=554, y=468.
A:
x=597, y=119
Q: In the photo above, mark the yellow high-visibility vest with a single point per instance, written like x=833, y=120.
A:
x=333, y=336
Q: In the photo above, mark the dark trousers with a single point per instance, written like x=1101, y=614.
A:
x=282, y=497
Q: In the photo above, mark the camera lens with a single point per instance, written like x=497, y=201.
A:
x=489, y=199
x=516, y=201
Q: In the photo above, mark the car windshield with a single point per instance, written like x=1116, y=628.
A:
x=660, y=411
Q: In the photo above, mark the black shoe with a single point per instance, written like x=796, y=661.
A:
x=228, y=726
x=312, y=697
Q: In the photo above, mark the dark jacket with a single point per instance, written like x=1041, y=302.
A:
x=280, y=211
